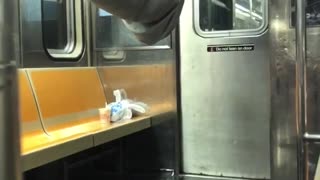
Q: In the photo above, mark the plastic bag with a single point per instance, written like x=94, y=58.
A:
x=125, y=109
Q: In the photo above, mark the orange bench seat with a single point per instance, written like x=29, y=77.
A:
x=65, y=119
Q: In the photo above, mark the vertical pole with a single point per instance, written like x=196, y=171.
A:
x=9, y=109
x=301, y=85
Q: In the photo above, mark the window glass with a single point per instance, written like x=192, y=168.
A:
x=312, y=13
x=55, y=28
x=112, y=33
x=62, y=28
x=228, y=15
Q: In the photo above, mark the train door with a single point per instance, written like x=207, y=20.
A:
x=225, y=90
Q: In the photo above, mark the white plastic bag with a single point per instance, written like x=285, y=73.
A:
x=125, y=109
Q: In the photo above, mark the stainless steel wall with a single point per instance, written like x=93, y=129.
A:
x=9, y=124
x=283, y=86
x=226, y=106
x=9, y=32
x=289, y=71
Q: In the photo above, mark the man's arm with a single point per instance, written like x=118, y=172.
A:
x=149, y=20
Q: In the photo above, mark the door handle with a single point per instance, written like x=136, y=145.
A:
x=311, y=137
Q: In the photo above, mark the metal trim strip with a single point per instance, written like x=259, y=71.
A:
x=36, y=102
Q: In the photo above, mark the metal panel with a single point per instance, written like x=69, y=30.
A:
x=9, y=32
x=225, y=105
x=283, y=126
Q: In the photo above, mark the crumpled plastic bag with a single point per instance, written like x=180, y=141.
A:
x=124, y=108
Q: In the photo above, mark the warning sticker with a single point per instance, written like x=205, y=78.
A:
x=230, y=48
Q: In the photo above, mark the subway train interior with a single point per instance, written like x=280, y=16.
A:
x=232, y=93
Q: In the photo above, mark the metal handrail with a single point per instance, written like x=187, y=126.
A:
x=301, y=112
x=311, y=137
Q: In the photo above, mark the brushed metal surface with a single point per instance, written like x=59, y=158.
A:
x=226, y=102
x=9, y=31
x=283, y=86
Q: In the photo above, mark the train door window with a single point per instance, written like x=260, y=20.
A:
x=112, y=34
x=230, y=17
x=62, y=28
x=312, y=13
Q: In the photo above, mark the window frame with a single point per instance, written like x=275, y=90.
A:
x=75, y=34
x=228, y=33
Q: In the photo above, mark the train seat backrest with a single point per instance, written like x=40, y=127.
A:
x=151, y=84
x=30, y=124
x=67, y=97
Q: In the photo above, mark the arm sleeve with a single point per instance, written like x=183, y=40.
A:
x=149, y=20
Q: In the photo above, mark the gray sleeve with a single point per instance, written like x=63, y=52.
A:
x=149, y=20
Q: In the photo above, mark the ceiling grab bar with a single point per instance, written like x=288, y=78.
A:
x=9, y=109
x=301, y=107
